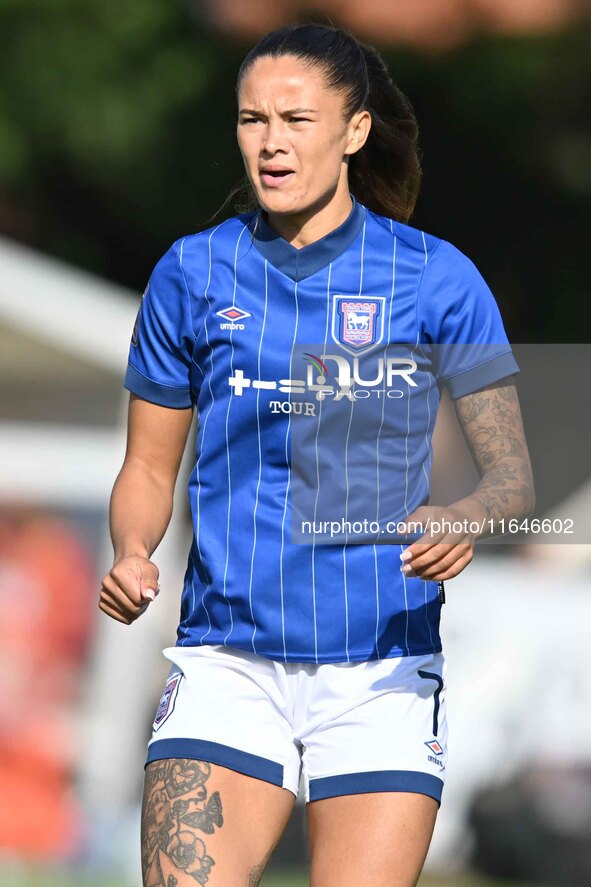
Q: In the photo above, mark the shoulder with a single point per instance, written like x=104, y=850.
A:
x=414, y=239
x=225, y=232
x=433, y=251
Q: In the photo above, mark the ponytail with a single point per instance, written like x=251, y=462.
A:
x=385, y=174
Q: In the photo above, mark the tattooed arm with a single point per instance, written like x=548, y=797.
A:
x=491, y=421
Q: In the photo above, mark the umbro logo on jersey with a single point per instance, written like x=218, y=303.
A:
x=435, y=747
x=358, y=323
x=233, y=315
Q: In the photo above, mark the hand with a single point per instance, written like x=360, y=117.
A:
x=447, y=549
x=128, y=588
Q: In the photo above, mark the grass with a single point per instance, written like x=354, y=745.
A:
x=272, y=879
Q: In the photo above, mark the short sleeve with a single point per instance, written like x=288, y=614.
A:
x=459, y=316
x=161, y=345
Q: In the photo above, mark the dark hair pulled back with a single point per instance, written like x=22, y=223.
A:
x=385, y=174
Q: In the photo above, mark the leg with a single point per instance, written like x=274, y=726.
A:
x=203, y=823
x=377, y=839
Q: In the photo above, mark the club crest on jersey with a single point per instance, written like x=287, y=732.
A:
x=167, y=700
x=358, y=323
x=232, y=315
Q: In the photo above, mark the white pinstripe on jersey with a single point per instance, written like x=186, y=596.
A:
x=211, y=394
x=227, y=442
x=347, y=469
x=256, y=502
x=288, y=462
x=395, y=241
x=318, y=471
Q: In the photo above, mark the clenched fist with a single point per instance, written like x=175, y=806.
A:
x=128, y=588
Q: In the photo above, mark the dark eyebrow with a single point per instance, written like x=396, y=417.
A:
x=289, y=113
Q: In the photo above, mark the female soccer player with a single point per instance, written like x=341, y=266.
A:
x=308, y=645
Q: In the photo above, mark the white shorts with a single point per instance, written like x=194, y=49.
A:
x=352, y=727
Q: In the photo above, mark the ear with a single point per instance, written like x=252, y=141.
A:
x=357, y=131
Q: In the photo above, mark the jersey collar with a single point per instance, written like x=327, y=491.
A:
x=300, y=263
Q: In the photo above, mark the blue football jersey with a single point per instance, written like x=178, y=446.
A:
x=316, y=374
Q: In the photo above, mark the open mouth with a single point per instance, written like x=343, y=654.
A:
x=276, y=177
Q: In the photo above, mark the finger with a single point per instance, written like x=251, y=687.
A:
x=445, y=568
x=138, y=578
x=436, y=531
x=445, y=556
x=119, y=597
x=118, y=600
x=445, y=526
x=124, y=612
x=435, y=554
x=114, y=612
x=421, y=556
x=417, y=548
x=440, y=531
x=150, y=591
x=127, y=579
x=149, y=584
x=106, y=601
x=453, y=571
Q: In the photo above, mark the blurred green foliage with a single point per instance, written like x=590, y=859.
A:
x=117, y=135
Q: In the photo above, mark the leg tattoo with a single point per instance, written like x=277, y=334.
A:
x=175, y=808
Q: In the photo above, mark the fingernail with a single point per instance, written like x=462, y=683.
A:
x=406, y=568
x=406, y=555
x=149, y=593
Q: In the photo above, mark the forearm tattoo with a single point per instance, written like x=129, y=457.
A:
x=176, y=814
x=492, y=425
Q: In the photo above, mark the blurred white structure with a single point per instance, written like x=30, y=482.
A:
x=516, y=638
x=64, y=340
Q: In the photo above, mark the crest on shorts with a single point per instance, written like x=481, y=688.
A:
x=167, y=700
x=358, y=323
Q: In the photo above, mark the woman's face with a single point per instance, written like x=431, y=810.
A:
x=289, y=120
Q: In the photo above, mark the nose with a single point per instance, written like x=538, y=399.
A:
x=275, y=138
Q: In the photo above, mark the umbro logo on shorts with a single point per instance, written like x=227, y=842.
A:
x=435, y=747
x=437, y=750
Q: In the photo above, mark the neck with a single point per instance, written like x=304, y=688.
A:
x=303, y=228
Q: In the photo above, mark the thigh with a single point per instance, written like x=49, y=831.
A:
x=379, y=839
x=374, y=768
x=204, y=823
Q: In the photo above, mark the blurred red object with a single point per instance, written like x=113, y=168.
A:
x=431, y=24
x=46, y=590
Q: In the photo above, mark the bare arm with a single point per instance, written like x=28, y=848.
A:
x=491, y=421
x=492, y=425
x=141, y=504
